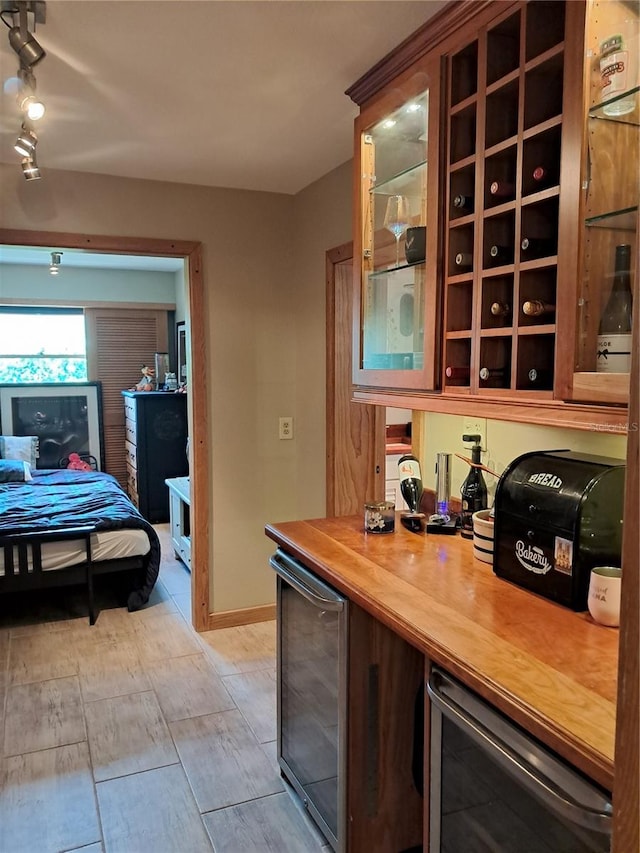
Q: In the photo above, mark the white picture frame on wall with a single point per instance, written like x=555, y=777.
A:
x=65, y=418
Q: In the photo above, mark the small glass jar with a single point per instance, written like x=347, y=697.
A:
x=380, y=517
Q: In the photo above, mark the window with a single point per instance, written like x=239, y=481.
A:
x=42, y=345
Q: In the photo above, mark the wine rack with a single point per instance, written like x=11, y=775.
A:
x=505, y=92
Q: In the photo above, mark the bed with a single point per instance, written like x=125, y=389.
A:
x=64, y=527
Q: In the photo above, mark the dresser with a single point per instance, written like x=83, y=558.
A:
x=155, y=442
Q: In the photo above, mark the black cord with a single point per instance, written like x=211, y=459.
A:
x=8, y=12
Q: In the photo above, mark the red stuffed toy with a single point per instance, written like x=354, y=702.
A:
x=77, y=464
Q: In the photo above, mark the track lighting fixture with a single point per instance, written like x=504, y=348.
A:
x=54, y=268
x=29, y=52
x=28, y=49
x=30, y=105
x=26, y=142
x=30, y=169
x=24, y=43
x=26, y=98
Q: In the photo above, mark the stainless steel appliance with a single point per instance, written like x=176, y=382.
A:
x=557, y=515
x=312, y=693
x=494, y=789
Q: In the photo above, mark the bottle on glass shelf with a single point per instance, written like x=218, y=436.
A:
x=473, y=490
x=538, y=308
x=537, y=247
x=501, y=254
x=614, y=332
x=501, y=190
x=410, y=478
x=463, y=202
x=619, y=68
x=452, y=372
x=463, y=260
x=487, y=373
x=500, y=309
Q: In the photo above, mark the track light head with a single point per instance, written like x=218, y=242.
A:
x=26, y=142
x=54, y=269
x=31, y=105
x=25, y=45
x=30, y=169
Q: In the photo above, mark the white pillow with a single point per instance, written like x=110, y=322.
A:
x=24, y=448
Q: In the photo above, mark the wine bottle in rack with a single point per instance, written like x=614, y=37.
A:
x=537, y=247
x=463, y=202
x=544, y=176
x=487, y=373
x=501, y=254
x=614, y=332
x=539, y=377
x=463, y=261
x=538, y=308
x=500, y=309
x=502, y=190
x=455, y=372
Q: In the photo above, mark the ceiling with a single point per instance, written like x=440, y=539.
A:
x=247, y=94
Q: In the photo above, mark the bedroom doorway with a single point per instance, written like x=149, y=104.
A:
x=191, y=253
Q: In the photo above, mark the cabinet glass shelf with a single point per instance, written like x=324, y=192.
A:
x=599, y=111
x=394, y=269
x=405, y=181
x=619, y=220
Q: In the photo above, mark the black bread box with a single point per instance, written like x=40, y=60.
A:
x=557, y=515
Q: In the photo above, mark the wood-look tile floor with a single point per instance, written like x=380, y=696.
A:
x=138, y=735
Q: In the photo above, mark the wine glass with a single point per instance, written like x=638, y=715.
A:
x=396, y=219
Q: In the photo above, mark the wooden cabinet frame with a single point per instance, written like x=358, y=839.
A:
x=572, y=403
x=424, y=75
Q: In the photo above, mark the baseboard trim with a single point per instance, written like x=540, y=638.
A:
x=244, y=616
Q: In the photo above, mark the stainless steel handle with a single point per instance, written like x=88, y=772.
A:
x=556, y=800
x=304, y=582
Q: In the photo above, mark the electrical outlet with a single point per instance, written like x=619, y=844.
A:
x=474, y=426
x=285, y=428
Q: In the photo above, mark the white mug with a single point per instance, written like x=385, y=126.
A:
x=604, y=595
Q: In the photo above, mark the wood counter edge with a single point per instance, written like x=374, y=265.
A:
x=562, y=740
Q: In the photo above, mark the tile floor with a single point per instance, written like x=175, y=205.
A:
x=137, y=734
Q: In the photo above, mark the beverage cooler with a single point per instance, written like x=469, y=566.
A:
x=557, y=515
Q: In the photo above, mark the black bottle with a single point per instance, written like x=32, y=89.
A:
x=614, y=332
x=463, y=202
x=463, y=260
x=500, y=255
x=473, y=491
x=410, y=481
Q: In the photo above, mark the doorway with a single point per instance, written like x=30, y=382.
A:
x=191, y=252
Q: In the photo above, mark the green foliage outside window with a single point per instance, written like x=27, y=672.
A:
x=42, y=345
x=42, y=369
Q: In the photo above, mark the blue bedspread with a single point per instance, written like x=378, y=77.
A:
x=57, y=499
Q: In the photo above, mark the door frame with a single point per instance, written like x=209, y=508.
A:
x=191, y=252
x=371, y=436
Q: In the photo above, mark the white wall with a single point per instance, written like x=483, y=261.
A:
x=505, y=441
x=248, y=240
x=22, y=281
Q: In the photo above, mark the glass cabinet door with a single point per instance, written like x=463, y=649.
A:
x=612, y=183
x=396, y=238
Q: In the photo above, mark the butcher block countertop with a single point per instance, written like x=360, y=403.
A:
x=550, y=669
